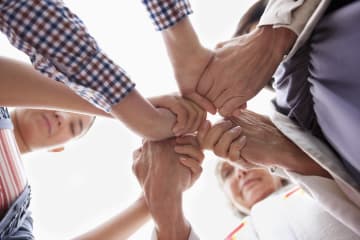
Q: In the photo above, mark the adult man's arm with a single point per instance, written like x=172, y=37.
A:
x=188, y=57
x=242, y=66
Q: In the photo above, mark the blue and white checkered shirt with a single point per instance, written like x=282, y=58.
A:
x=167, y=13
x=60, y=47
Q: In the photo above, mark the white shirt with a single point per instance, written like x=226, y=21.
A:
x=300, y=16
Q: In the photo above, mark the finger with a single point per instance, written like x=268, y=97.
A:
x=203, y=102
x=215, y=133
x=206, y=81
x=203, y=130
x=222, y=147
x=190, y=151
x=223, y=98
x=181, y=118
x=231, y=105
x=235, y=154
x=215, y=92
x=191, y=116
x=193, y=166
x=187, y=140
x=236, y=147
x=199, y=118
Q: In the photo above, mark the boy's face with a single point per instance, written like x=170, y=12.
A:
x=50, y=129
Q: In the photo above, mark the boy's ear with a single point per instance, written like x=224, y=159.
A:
x=58, y=149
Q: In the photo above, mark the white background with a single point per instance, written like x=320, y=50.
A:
x=92, y=180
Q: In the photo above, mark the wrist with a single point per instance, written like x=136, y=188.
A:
x=147, y=121
x=169, y=219
x=282, y=39
x=183, y=44
x=295, y=160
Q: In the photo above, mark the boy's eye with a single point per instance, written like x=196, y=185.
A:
x=72, y=128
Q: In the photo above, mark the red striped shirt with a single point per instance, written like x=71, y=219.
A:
x=12, y=175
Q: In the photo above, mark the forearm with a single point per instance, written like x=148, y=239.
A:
x=22, y=86
x=169, y=218
x=143, y=118
x=295, y=160
x=121, y=226
x=181, y=42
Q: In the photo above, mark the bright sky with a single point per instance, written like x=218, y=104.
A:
x=92, y=180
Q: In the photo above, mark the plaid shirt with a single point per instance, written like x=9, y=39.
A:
x=60, y=47
x=167, y=13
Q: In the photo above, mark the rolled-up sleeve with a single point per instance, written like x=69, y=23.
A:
x=166, y=13
x=60, y=47
x=300, y=16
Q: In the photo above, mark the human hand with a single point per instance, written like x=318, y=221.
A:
x=266, y=146
x=225, y=139
x=189, y=115
x=189, y=73
x=242, y=66
x=189, y=146
x=164, y=178
x=156, y=161
x=189, y=60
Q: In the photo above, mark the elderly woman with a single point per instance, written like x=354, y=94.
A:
x=253, y=140
x=268, y=203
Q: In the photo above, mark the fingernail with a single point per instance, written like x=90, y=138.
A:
x=236, y=129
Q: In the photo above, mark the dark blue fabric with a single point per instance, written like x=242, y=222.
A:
x=319, y=87
x=17, y=224
x=334, y=72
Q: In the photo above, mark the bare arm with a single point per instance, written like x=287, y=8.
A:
x=122, y=226
x=23, y=86
x=189, y=60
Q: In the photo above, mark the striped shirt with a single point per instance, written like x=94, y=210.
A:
x=12, y=175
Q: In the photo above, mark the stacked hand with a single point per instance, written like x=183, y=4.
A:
x=237, y=70
x=164, y=175
x=250, y=140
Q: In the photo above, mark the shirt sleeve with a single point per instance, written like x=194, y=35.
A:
x=60, y=47
x=300, y=16
x=192, y=235
x=166, y=13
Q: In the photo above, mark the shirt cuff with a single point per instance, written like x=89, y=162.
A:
x=101, y=82
x=300, y=16
x=192, y=235
x=166, y=13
